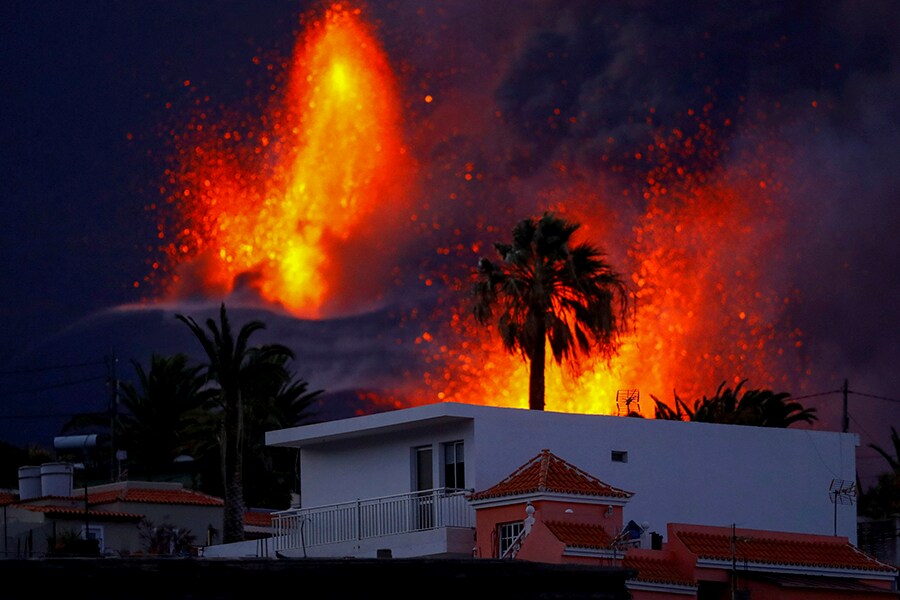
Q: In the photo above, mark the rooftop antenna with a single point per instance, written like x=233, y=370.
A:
x=625, y=399
x=841, y=492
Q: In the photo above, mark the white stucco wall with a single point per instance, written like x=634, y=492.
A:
x=763, y=478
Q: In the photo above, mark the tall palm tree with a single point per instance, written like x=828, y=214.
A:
x=547, y=290
x=233, y=364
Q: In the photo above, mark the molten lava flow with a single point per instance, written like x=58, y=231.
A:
x=271, y=209
x=701, y=264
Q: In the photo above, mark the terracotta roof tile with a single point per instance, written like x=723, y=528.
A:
x=657, y=570
x=154, y=496
x=73, y=511
x=838, y=554
x=546, y=472
x=580, y=535
x=258, y=519
x=8, y=498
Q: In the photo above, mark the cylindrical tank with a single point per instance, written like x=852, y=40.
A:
x=56, y=479
x=29, y=482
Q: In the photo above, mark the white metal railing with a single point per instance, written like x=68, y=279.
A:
x=373, y=517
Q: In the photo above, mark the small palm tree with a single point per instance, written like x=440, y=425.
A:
x=233, y=366
x=757, y=407
x=152, y=430
x=547, y=290
x=882, y=500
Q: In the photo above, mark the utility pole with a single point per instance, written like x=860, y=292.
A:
x=846, y=413
x=113, y=412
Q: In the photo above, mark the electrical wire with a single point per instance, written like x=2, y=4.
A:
x=51, y=368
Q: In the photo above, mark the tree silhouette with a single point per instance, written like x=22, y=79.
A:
x=151, y=425
x=546, y=290
x=755, y=407
x=234, y=366
x=882, y=500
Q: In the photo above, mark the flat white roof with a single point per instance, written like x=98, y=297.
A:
x=393, y=420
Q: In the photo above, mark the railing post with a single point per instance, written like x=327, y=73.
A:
x=358, y=520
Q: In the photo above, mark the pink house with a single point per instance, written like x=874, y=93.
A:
x=550, y=511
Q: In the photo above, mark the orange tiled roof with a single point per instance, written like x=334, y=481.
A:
x=819, y=553
x=154, y=496
x=656, y=570
x=546, y=472
x=8, y=498
x=257, y=519
x=73, y=511
x=580, y=535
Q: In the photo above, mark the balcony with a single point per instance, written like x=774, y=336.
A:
x=437, y=522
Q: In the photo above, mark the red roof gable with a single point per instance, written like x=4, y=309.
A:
x=839, y=554
x=154, y=496
x=656, y=569
x=546, y=472
x=580, y=535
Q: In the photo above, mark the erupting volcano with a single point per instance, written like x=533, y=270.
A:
x=313, y=206
x=281, y=208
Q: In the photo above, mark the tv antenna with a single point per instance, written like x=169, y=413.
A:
x=625, y=399
x=841, y=492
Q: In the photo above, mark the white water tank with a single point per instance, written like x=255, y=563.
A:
x=29, y=482
x=56, y=479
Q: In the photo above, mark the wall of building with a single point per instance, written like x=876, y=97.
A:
x=378, y=465
x=763, y=478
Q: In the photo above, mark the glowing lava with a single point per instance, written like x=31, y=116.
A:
x=701, y=266
x=276, y=217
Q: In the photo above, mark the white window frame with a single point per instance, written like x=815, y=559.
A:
x=507, y=534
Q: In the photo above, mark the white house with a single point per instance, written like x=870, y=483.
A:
x=359, y=474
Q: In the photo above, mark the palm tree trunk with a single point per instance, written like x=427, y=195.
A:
x=233, y=517
x=536, y=374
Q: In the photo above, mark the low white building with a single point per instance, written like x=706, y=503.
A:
x=357, y=474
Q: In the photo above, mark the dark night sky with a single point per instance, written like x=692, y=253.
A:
x=78, y=77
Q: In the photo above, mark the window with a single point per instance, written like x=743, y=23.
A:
x=619, y=456
x=507, y=534
x=454, y=466
x=424, y=479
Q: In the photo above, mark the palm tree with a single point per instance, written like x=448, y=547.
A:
x=233, y=365
x=152, y=430
x=152, y=427
x=547, y=290
x=882, y=500
x=756, y=407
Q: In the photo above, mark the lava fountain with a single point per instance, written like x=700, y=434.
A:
x=307, y=206
x=279, y=207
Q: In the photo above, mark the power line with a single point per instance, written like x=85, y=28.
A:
x=50, y=368
x=56, y=385
x=41, y=416
x=815, y=395
x=876, y=397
